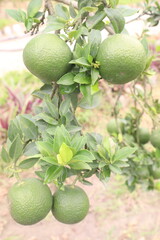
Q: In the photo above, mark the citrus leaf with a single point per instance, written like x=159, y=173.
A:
x=34, y=7
x=46, y=118
x=52, y=173
x=65, y=154
x=116, y=18
x=94, y=20
x=126, y=12
x=30, y=149
x=84, y=156
x=50, y=160
x=5, y=155
x=82, y=62
x=94, y=75
x=64, y=107
x=61, y=136
x=18, y=15
x=115, y=169
x=82, y=78
x=62, y=11
x=67, y=79
x=29, y=129
x=80, y=165
x=16, y=148
x=45, y=148
x=78, y=142
x=28, y=163
x=124, y=153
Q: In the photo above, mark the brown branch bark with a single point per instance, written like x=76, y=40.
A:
x=49, y=7
x=67, y=2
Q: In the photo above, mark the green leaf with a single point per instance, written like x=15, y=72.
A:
x=116, y=18
x=82, y=78
x=78, y=51
x=94, y=39
x=77, y=33
x=64, y=107
x=78, y=142
x=113, y=3
x=51, y=108
x=33, y=7
x=84, y=156
x=80, y=166
x=65, y=154
x=67, y=79
x=94, y=20
x=53, y=173
x=82, y=62
x=94, y=75
x=61, y=136
x=73, y=128
x=123, y=153
x=115, y=169
x=46, y=118
x=54, y=24
x=18, y=15
x=45, y=90
x=5, y=156
x=89, y=101
x=29, y=129
x=28, y=163
x=31, y=149
x=45, y=148
x=72, y=10
x=62, y=11
x=50, y=160
x=83, y=3
x=126, y=12
x=14, y=129
x=67, y=89
x=16, y=148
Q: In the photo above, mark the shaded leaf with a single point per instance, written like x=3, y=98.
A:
x=28, y=163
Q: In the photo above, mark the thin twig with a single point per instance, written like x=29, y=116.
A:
x=54, y=90
x=68, y=2
x=49, y=7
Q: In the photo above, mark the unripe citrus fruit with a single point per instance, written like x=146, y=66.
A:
x=30, y=201
x=114, y=126
x=47, y=57
x=155, y=138
x=122, y=58
x=70, y=205
x=143, y=135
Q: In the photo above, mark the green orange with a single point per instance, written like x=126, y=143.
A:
x=122, y=58
x=47, y=57
x=30, y=201
x=70, y=205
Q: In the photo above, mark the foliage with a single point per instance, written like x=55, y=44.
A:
x=51, y=140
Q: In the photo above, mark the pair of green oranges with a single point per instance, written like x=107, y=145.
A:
x=122, y=58
x=143, y=134
x=30, y=201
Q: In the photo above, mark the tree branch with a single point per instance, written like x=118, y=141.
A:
x=49, y=7
x=67, y=2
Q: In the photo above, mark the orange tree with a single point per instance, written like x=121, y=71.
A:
x=70, y=58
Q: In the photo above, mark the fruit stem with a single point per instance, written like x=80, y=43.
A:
x=54, y=90
x=75, y=180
